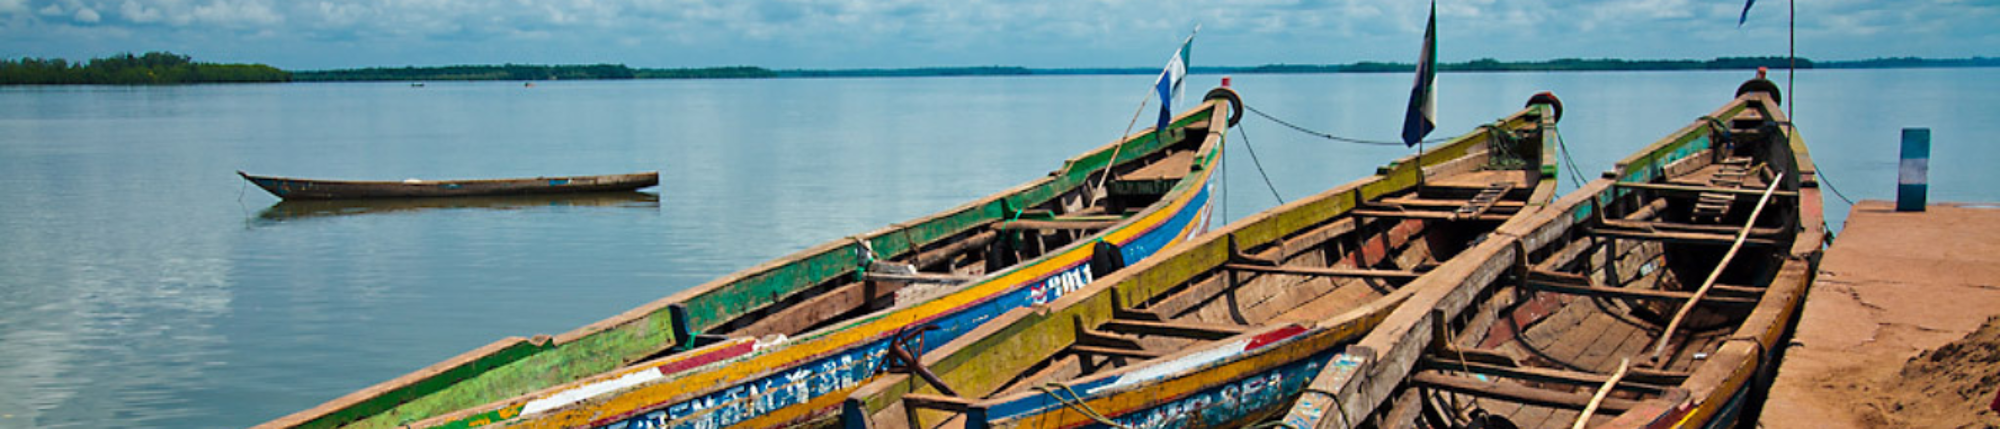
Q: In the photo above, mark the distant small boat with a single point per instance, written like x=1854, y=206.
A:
x=314, y=189
x=289, y=210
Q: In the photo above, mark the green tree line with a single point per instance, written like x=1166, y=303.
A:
x=151, y=68
x=530, y=72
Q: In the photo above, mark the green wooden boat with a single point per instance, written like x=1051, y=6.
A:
x=1650, y=298
x=837, y=301
x=1225, y=331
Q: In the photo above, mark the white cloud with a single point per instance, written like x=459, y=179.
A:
x=135, y=12
x=51, y=10
x=87, y=16
x=237, y=13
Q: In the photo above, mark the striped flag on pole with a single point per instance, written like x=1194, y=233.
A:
x=1422, y=117
x=1169, y=84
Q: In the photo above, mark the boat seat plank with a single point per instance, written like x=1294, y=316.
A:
x=1173, y=167
x=1518, y=393
x=1697, y=189
x=1438, y=215
x=1200, y=331
x=1632, y=293
x=1046, y=225
x=1443, y=202
x=1477, y=180
x=1682, y=237
x=1327, y=272
x=1114, y=352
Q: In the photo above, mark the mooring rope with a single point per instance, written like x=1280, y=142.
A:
x=1334, y=137
x=1259, y=164
x=1575, y=170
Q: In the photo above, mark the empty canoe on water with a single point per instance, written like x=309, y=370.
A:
x=1650, y=298
x=1223, y=331
x=288, y=210
x=782, y=342
x=315, y=189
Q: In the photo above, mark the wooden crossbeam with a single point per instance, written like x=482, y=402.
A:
x=1093, y=337
x=1631, y=293
x=1427, y=215
x=918, y=278
x=1518, y=393
x=1684, y=227
x=1047, y=225
x=1446, y=363
x=1325, y=272
x=1113, y=351
x=1447, y=203
x=1681, y=237
x=1699, y=189
x=939, y=402
x=1200, y=331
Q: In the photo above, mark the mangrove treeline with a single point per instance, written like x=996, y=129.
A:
x=170, y=68
x=151, y=68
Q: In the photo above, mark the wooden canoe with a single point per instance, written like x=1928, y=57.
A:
x=783, y=341
x=1671, y=244
x=288, y=210
x=1224, y=330
x=316, y=189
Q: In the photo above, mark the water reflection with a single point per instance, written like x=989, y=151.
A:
x=290, y=210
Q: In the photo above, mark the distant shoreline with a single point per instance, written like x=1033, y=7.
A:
x=619, y=72
x=163, y=68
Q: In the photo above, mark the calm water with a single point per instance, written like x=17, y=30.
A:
x=143, y=284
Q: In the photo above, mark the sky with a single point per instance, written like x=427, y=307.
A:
x=821, y=34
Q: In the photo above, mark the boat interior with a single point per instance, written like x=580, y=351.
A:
x=1611, y=296
x=943, y=265
x=1311, y=273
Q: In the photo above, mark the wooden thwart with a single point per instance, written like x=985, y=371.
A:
x=1445, y=362
x=1428, y=215
x=1682, y=237
x=918, y=278
x=1646, y=226
x=1325, y=272
x=1045, y=225
x=1550, y=285
x=1201, y=331
x=1700, y=189
x=1518, y=393
x=1111, y=351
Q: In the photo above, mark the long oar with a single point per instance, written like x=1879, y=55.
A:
x=1668, y=335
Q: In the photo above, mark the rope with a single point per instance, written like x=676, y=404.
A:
x=1079, y=405
x=1821, y=175
x=1334, y=137
x=1260, y=164
x=1113, y=162
x=1575, y=170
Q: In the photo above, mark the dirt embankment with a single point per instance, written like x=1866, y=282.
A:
x=1952, y=386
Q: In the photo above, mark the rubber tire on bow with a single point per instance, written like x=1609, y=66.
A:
x=1235, y=103
x=1548, y=98
x=1761, y=85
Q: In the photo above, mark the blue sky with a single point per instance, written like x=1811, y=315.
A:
x=315, y=34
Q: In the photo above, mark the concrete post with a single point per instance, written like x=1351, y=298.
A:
x=1913, y=180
